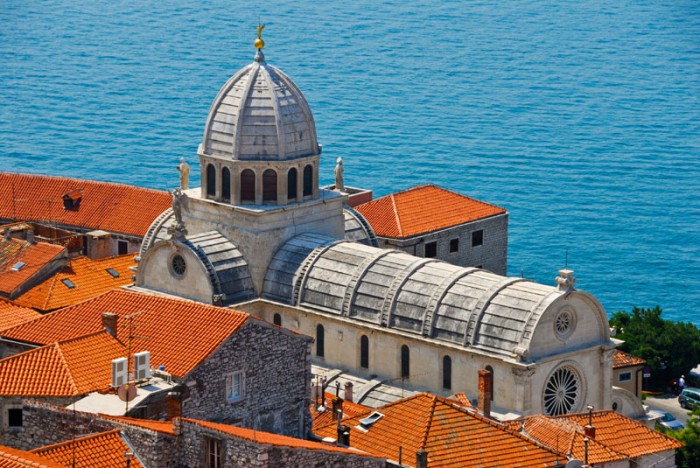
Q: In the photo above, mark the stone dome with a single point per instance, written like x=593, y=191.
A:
x=260, y=115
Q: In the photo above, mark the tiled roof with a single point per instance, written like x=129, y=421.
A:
x=165, y=427
x=179, y=333
x=103, y=450
x=326, y=417
x=452, y=436
x=66, y=369
x=462, y=399
x=423, y=209
x=623, y=359
x=90, y=278
x=268, y=438
x=12, y=315
x=13, y=458
x=617, y=437
x=112, y=207
x=34, y=256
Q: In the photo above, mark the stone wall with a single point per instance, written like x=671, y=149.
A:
x=276, y=378
x=238, y=451
x=10, y=348
x=491, y=255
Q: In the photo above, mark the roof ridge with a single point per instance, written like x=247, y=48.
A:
x=74, y=180
x=67, y=367
x=53, y=280
x=95, y=435
x=431, y=414
x=396, y=214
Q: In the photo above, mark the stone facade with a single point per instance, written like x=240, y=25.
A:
x=491, y=254
x=276, y=373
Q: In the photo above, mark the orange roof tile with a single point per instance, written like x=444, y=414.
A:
x=325, y=417
x=89, y=277
x=423, y=209
x=268, y=438
x=617, y=437
x=64, y=369
x=198, y=329
x=34, y=256
x=13, y=458
x=112, y=207
x=462, y=399
x=452, y=436
x=103, y=450
x=165, y=427
x=12, y=315
x=623, y=359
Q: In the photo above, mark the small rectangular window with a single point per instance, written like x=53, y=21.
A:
x=624, y=377
x=431, y=250
x=14, y=417
x=478, y=238
x=113, y=272
x=213, y=451
x=68, y=283
x=122, y=247
x=454, y=245
x=234, y=386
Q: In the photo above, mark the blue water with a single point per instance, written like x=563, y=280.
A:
x=581, y=118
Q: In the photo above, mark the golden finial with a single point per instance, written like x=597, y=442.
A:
x=259, y=43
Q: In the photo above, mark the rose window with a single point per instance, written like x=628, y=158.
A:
x=179, y=265
x=564, y=323
x=562, y=392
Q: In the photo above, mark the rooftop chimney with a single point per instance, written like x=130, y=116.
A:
x=174, y=406
x=348, y=391
x=485, y=383
x=421, y=459
x=30, y=236
x=344, y=435
x=337, y=407
x=109, y=322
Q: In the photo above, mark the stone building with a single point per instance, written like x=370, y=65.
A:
x=261, y=235
x=432, y=222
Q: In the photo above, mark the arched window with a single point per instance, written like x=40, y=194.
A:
x=247, y=185
x=292, y=184
x=269, y=185
x=226, y=184
x=405, y=362
x=308, y=180
x=320, y=340
x=493, y=390
x=277, y=320
x=211, y=180
x=364, y=352
x=447, y=372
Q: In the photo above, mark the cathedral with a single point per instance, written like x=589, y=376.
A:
x=259, y=234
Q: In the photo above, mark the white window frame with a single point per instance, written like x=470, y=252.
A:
x=235, y=386
x=626, y=373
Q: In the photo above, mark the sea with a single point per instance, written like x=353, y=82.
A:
x=581, y=118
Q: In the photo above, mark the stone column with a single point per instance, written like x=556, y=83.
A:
x=523, y=389
x=606, y=381
x=235, y=185
x=258, y=186
x=314, y=183
x=300, y=183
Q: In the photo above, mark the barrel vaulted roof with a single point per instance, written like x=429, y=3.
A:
x=463, y=306
x=260, y=114
x=423, y=209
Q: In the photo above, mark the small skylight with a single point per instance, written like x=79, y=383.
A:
x=113, y=272
x=18, y=266
x=371, y=419
x=68, y=283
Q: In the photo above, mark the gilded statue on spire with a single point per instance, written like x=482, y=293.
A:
x=259, y=43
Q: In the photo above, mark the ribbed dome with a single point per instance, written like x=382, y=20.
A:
x=260, y=114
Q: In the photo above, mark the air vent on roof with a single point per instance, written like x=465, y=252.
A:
x=68, y=283
x=113, y=272
x=72, y=199
x=18, y=266
x=119, y=372
x=142, y=365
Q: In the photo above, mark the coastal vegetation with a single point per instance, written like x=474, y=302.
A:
x=670, y=348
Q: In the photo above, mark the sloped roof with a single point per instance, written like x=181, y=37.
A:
x=89, y=277
x=623, y=359
x=65, y=369
x=103, y=450
x=34, y=256
x=179, y=333
x=113, y=207
x=13, y=458
x=325, y=417
x=12, y=315
x=617, y=437
x=423, y=209
x=268, y=438
x=450, y=434
x=165, y=427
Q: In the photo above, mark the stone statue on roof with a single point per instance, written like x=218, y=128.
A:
x=184, y=169
x=339, y=184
